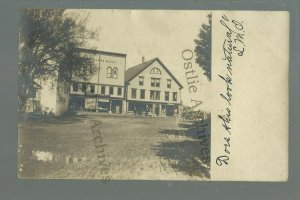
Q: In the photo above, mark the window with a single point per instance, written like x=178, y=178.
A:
x=169, y=83
x=167, y=96
x=142, y=94
x=133, y=93
x=157, y=97
x=111, y=90
x=141, y=80
x=174, y=96
x=75, y=87
x=109, y=72
x=155, y=71
x=80, y=87
x=115, y=73
x=83, y=87
x=154, y=95
x=119, y=91
x=112, y=72
x=102, y=89
x=92, y=88
x=155, y=82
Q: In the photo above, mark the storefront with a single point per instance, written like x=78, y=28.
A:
x=152, y=109
x=96, y=104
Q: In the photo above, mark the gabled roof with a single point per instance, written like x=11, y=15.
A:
x=132, y=72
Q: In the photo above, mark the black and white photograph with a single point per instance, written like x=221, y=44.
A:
x=114, y=94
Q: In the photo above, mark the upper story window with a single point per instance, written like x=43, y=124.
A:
x=155, y=71
x=102, y=89
x=142, y=94
x=133, y=93
x=119, y=91
x=112, y=72
x=83, y=87
x=141, y=80
x=169, y=83
x=109, y=72
x=115, y=73
x=174, y=96
x=155, y=82
x=111, y=90
x=75, y=87
x=92, y=88
x=167, y=96
x=154, y=95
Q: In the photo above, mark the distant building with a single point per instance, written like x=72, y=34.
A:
x=104, y=92
x=49, y=97
x=151, y=89
x=146, y=89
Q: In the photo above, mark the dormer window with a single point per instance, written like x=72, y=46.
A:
x=155, y=71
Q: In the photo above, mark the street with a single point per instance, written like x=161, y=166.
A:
x=134, y=148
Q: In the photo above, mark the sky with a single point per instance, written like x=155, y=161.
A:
x=152, y=33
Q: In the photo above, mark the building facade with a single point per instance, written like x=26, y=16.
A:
x=104, y=91
x=148, y=89
x=151, y=89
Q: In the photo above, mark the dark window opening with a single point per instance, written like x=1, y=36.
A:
x=174, y=96
x=119, y=91
x=167, y=96
x=142, y=95
x=111, y=90
x=102, y=89
x=133, y=93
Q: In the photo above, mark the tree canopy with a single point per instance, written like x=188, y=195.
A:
x=203, y=48
x=49, y=40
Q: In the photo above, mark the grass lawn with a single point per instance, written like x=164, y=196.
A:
x=133, y=147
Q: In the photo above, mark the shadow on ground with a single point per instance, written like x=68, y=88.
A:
x=183, y=156
x=189, y=130
x=189, y=152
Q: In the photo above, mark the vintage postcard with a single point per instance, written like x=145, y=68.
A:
x=186, y=95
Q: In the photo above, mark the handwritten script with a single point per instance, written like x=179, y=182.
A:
x=233, y=45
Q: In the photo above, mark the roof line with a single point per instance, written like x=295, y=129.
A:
x=101, y=52
x=162, y=64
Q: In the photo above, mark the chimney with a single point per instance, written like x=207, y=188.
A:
x=143, y=59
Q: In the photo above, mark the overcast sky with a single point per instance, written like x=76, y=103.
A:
x=152, y=33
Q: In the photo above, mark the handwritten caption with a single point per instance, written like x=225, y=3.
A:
x=233, y=45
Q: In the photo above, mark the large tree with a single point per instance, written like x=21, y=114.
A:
x=49, y=43
x=203, y=48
